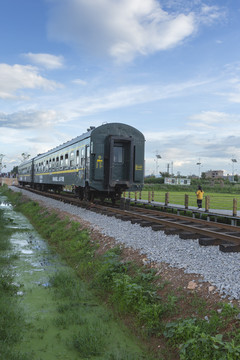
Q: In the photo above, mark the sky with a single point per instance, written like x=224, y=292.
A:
x=170, y=68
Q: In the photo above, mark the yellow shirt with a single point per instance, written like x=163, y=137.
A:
x=199, y=194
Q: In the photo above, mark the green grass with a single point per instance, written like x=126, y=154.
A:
x=222, y=201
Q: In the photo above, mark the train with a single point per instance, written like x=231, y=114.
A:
x=102, y=163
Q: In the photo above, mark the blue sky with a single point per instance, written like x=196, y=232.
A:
x=170, y=68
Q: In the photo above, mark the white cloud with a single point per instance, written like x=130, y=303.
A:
x=210, y=14
x=16, y=77
x=213, y=119
x=123, y=96
x=124, y=29
x=79, y=82
x=46, y=60
x=30, y=119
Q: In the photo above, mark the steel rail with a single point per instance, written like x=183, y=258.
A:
x=179, y=225
x=179, y=222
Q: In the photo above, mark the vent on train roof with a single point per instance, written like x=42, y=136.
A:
x=91, y=128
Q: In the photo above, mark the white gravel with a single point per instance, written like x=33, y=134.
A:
x=220, y=269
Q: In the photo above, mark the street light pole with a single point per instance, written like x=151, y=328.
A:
x=157, y=158
x=199, y=164
x=233, y=161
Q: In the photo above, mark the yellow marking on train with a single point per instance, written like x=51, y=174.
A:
x=60, y=172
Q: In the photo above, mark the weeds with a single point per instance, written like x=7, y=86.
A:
x=90, y=340
x=196, y=343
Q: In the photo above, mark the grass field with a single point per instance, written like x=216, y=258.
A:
x=217, y=200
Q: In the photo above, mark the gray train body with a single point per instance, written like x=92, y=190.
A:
x=103, y=162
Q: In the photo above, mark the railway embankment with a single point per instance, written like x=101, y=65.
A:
x=179, y=312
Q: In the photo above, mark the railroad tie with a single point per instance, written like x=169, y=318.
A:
x=230, y=247
x=157, y=227
x=207, y=241
x=185, y=235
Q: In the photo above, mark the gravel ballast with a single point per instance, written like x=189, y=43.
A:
x=220, y=269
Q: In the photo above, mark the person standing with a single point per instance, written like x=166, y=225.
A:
x=199, y=194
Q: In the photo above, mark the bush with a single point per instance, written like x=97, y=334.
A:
x=195, y=344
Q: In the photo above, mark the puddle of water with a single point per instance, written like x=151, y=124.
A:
x=4, y=203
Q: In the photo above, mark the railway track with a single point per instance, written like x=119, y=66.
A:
x=227, y=237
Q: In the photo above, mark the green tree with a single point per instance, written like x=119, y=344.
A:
x=14, y=171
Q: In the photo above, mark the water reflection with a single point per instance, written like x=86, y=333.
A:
x=35, y=263
x=5, y=205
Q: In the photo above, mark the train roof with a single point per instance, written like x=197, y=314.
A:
x=66, y=144
x=79, y=138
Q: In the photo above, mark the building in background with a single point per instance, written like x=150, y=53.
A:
x=214, y=174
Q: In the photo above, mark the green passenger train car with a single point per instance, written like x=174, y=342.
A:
x=103, y=162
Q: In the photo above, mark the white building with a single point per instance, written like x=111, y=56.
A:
x=177, y=181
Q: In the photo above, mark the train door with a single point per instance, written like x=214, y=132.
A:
x=87, y=162
x=32, y=172
x=121, y=161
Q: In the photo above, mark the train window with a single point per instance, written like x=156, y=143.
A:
x=72, y=154
x=118, y=154
x=82, y=156
x=71, y=163
x=61, y=160
x=77, y=157
x=66, y=159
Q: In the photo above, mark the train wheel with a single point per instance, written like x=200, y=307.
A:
x=81, y=194
x=86, y=194
x=102, y=198
x=113, y=199
x=91, y=196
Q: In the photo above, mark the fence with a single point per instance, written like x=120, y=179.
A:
x=217, y=201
